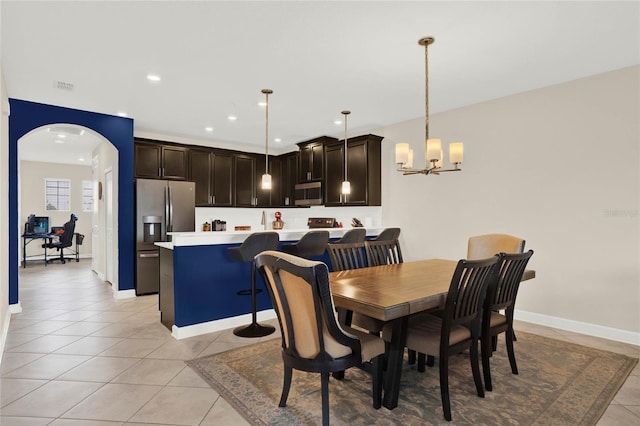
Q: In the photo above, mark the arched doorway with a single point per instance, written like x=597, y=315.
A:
x=83, y=159
x=26, y=116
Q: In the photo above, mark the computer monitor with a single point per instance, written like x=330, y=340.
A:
x=40, y=225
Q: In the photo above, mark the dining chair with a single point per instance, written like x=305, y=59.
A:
x=312, y=340
x=383, y=252
x=484, y=246
x=501, y=295
x=458, y=328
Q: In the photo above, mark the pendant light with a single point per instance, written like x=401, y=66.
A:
x=266, y=177
x=346, y=185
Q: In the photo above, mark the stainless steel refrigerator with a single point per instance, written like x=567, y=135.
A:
x=161, y=206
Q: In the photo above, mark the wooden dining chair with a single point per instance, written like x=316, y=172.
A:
x=312, y=340
x=458, y=328
x=484, y=246
x=501, y=295
x=383, y=252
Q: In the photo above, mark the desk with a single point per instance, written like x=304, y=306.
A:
x=392, y=293
x=47, y=238
x=27, y=238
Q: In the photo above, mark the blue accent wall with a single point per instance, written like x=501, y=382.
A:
x=26, y=116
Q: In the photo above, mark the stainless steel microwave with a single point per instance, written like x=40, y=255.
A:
x=308, y=194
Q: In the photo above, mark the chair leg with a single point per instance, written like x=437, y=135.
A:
x=412, y=356
x=421, y=361
x=286, y=385
x=444, y=385
x=512, y=356
x=325, y=398
x=431, y=360
x=475, y=368
x=494, y=343
x=486, y=365
x=377, y=364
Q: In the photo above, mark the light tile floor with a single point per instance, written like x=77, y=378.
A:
x=77, y=356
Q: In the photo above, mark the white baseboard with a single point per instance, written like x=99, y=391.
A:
x=16, y=308
x=594, y=330
x=219, y=325
x=124, y=294
x=3, y=333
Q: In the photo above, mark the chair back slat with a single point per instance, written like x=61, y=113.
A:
x=467, y=290
x=502, y=293
x=383, y=252
x=346, y=256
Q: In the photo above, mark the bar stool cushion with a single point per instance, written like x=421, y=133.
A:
x=312, y=244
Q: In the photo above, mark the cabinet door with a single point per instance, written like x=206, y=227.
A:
x=290, y=178
x=317, y=163
x=263, y=196
x=305, y=164
x=147, y=160
x=334, y=160
x=245, y=173
x=357, y=173
x=174, y=162
x=200, y=172
x=222, y=194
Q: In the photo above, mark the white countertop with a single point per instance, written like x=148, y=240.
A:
x=235, y=237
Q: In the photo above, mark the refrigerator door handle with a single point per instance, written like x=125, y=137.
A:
x=167, y=210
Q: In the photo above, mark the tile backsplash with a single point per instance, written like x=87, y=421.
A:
x=294, y=218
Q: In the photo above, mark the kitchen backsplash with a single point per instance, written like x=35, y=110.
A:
x=293, y=218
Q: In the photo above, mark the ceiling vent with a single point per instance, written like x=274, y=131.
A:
x=63, y=85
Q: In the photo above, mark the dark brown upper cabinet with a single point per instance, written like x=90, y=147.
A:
x=363, y=172
x=158, y=160
x=311, y=159
x=212, y=171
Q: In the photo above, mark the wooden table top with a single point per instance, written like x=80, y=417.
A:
x=392, y=291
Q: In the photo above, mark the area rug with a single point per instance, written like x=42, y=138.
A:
x=559, y=383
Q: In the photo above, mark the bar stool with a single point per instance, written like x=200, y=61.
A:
x=388, y=234
x=312, y=244
x=246, y=252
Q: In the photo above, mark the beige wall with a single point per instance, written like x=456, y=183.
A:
x=4, y=213
x=557, y=166
x=31, y=189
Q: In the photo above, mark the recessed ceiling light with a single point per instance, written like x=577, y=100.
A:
x=81, y=159
x=59, y=141
x=153, y=77
x=337, y=122
x=122, y=114
x=232, y=118
x=277, y=140
x=262, y=104
x=62, y=135
x=209, y=129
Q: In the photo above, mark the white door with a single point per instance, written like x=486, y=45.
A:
x=108, y=225
x=95, y=215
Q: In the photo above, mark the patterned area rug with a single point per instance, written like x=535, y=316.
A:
x=559, y=383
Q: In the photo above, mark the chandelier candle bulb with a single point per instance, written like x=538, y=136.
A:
x=402, y=153
x=434, y=149
x=456, y=152
x=346, y=187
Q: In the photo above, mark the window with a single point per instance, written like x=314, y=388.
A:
x=87, y=196
x=57, y=193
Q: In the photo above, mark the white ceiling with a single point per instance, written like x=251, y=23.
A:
x=319, y=58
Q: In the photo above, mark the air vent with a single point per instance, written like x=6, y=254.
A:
x=63, y=85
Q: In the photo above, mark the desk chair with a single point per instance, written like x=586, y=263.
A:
x=65, y=241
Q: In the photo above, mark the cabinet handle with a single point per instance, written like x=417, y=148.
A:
x=308, y=175
x=160, y=171
x=213, y=199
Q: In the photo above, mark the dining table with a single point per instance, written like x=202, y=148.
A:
x=392, y=293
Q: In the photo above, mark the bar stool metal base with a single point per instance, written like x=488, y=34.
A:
x=254, y=330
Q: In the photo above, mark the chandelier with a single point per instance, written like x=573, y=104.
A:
x=433, y=149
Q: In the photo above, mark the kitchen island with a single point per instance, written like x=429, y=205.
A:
x=199, y=284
